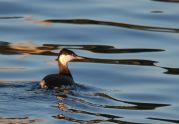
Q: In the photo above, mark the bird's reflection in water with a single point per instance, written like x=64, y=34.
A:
x=70, y=100
x=61, y=105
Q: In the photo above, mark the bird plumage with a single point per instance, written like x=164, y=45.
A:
x=64, y=77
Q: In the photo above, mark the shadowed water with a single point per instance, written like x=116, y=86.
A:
x=131, y=74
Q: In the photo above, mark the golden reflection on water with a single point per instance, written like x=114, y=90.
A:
x=3, y=81
x=11, y=68
x=26, y=48
x=46, y=49
x=30, y=48
x=24, y=120
x=35, y=21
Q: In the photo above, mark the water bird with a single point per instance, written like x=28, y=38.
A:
x=64, y=77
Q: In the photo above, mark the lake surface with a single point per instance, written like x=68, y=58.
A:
x=131, y=77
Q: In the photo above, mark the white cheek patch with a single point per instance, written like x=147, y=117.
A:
x=64, y=59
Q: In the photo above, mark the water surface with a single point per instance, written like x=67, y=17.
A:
x=131, y=76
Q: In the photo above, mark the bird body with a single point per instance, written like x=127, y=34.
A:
x=64, y=77
x=56, y=80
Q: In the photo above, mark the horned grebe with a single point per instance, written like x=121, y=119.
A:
x=64, y=77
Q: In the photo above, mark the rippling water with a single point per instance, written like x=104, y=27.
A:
x=132, y=73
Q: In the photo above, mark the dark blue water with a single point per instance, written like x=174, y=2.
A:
x=132, y=76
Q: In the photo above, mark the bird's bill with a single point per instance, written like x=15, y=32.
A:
x=80, y=58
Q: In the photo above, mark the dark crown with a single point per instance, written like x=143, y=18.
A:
x=65, y=51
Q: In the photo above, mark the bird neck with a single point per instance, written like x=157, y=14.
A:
x=64, y=69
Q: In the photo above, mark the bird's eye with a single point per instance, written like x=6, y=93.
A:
x=73, y=54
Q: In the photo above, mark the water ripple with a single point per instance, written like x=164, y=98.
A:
x=14, y=17
x=24, y=120
x=165, y=120
x=130, y=75
x=172, y=1
x=115, y=24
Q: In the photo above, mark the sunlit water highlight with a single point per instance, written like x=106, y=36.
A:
x=131, y=76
